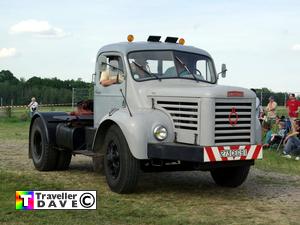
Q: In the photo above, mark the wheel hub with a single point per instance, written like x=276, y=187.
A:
x=37, y=144
x=113, y=159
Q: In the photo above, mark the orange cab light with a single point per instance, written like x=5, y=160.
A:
x=130, y=38
x=181, y=41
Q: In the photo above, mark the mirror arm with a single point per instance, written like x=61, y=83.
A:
x=221, y=72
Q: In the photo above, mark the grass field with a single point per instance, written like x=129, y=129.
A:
x=270, y=195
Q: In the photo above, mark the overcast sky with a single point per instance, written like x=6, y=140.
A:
x=258, y=40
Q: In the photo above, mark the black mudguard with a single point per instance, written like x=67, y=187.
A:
x=49, y=123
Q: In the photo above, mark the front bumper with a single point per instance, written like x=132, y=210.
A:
x=193, y=153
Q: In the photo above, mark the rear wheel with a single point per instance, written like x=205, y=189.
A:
x=43, y=155
x=230, y=176
x=120, y=167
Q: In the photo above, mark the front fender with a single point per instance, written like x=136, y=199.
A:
x=138, y=129
x=258, y=132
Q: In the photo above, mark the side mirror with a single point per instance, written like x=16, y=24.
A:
x=223, y=70
x=94, y=78
x=102, y=63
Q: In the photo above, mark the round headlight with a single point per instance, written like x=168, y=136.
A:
x=160, y=132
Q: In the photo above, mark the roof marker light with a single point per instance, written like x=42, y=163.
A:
x=130, y=38
x=181, y=41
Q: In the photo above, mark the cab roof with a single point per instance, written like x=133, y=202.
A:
x=126, y=47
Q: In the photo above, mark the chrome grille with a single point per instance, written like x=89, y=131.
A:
x=239, y=133
x=184, y=114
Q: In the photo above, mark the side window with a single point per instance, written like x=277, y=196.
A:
x=111, y=70
x=203, y=70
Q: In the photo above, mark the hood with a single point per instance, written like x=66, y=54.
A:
x=194, y=91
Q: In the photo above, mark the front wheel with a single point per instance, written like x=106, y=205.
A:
x=230, y=176
x=120, y=167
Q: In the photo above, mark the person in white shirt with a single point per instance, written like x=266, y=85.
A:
x=33, y=106
x=112, y=75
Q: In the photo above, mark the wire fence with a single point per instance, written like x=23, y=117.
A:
x=279, y=97
x=79, y=94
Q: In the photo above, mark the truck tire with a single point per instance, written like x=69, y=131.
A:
x=63, y=160
x=230, y=176
x=120, y=167
x=43, y=156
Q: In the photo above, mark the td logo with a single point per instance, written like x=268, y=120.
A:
x=24, y=200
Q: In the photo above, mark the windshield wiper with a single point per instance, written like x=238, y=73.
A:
x=186, y=68
x=146, y=71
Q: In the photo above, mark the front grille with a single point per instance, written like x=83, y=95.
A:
x=184, y=114
x=230, y=134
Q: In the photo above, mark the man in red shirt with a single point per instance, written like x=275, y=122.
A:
x=292, y=106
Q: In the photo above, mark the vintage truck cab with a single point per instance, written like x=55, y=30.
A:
x=157, y=107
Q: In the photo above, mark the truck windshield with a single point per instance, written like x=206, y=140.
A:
x=149, y=65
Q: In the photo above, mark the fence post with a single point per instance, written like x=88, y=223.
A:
x=261, y=98
x=284, y=99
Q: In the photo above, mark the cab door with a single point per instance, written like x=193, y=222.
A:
x=108, y=98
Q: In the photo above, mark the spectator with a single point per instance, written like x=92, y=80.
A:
x=292, y=106
x=292, y=142
x=33, y=106
x=278, y=119
x=263, y=118
x=274, y=138
x=278, y=137
x=268, y=134
x=271, y=109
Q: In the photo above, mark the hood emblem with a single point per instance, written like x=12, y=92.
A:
x=233, y=117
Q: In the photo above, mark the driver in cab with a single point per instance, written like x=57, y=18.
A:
x=112, y=74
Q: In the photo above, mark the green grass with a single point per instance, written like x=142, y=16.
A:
x=160, y=202
x=13, y=129
x=281, y=111
x=273, y=161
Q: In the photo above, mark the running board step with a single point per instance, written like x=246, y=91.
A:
x=86, y=152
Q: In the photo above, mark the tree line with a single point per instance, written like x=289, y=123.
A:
x=56, y=91
x=264, y=94
x=46, y=90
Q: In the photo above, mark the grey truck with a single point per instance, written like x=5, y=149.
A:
x=156, y=107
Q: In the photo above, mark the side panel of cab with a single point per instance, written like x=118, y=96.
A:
x=108, y=98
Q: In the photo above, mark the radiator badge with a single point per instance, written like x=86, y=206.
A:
x=233, y=117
